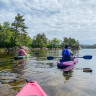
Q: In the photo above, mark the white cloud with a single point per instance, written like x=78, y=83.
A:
x=5, y=1
x=56, y=18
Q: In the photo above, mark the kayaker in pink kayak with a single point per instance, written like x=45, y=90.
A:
x=22, y=52
x=67, y=54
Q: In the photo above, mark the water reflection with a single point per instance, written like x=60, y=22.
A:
x=67, y=72
x=13, y=74
x=20, y=66
x=16, y=84
x=50, y=64
x=9, y=70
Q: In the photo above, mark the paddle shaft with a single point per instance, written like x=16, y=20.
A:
x=84, y=57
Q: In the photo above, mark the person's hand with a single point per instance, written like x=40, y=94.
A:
x=71, y=54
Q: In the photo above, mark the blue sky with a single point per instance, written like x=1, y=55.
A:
x=55, y=18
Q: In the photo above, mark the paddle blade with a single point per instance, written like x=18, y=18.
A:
x=50, y=58
x=87, y=57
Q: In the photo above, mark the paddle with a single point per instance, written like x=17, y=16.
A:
x=84, y=57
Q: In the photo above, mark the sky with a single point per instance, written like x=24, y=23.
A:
x=54, y=18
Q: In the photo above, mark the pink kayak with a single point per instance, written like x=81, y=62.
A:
x=61, y=63
x=68, y=68
x=31, y=89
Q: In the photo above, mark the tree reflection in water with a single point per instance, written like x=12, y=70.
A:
x=67, y=72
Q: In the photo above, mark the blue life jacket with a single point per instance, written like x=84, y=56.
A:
x=65, y=52
x=66, y=55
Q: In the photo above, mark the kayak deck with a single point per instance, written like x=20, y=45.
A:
x=21, y=57
x=31, y=89
x=66, y=63
x=68, y=68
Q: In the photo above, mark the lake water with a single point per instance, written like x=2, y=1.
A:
x=54, y=81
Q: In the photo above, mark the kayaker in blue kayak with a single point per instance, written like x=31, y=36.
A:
x=22, y=52
x=67, y=53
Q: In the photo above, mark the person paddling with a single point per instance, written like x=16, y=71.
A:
x=22, y=52
x=67, y=54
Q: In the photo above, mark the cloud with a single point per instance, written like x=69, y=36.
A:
x=55, y=18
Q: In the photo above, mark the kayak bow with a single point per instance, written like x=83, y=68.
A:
x=31, y=89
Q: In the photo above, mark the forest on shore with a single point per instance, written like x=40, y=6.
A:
x=15, y=34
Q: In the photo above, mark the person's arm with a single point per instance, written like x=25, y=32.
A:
x=71, y=53
x=62, y=53
x=25, y=54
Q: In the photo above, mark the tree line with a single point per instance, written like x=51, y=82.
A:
x=15, y=34
x=89, y=46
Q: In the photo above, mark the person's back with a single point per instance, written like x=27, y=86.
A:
x=66, y=54
x=22, y=52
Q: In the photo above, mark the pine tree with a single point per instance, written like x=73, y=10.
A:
x=19, y=29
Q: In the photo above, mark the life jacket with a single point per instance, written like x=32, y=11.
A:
x=66, y=55
x=21, y=52
x=66, y=52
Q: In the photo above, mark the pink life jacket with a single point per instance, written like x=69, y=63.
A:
x=21, y=52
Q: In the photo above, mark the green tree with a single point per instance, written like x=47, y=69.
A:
x=19, y=29
x=71, y=42
x=5, y=34
x=39, y=41
x=54, y=43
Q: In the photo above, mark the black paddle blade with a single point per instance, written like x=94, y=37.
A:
x=50, y=58
x=87, y=57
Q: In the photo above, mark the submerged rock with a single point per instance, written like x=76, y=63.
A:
x=87, y=70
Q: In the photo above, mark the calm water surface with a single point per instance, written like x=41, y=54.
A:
x=54, y=81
